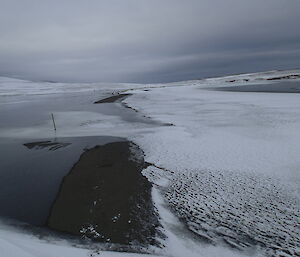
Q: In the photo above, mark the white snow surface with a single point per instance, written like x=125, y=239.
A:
x=229, y=166
x=233, y=163
x=17, y=87
x=14, y=243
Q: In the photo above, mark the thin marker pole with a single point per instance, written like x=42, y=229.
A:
x=53, y=121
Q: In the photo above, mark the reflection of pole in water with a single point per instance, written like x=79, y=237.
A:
x=53, y=121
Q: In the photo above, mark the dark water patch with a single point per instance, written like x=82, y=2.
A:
x=30, y=179
x=34, y=110
x=50, y=145
x=112, y=99
x=105, y=197
x=280, y=87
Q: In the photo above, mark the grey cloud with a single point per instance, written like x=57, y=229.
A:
x=146, y=41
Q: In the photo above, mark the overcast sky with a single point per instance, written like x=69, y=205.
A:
x=146, y=40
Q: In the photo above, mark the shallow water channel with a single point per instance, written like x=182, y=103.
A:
x=33, y=170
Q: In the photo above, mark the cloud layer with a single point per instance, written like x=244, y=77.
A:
x=146, y=41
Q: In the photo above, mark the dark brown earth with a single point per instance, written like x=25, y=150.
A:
x=105, y=197
x=112, y=99
x=293, y=76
